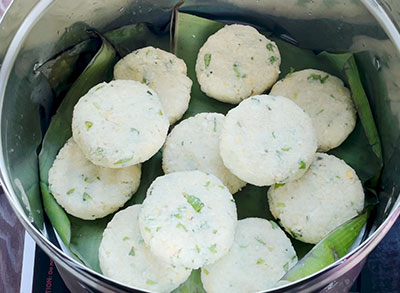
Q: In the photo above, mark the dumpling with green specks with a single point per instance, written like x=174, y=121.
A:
x=267, y=140
x=124, y=257
x=325, y=99
x=328, y=195
x=260, y=256
x=188, y=218
x=193, y=144
x=237, y=62
x=88, y=191
x=119, y=124
x=164, y=73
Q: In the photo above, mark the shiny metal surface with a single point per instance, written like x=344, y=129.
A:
x=38, y=33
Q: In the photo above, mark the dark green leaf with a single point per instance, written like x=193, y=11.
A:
x=132, y=37
x=60, y=131
x=192, y=284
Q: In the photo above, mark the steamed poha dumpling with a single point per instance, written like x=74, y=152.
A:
x=188, y=218
x=162, y=71
x=88, y=191
x=193, y=144
x=124, y=257
x=325, y=99
x=237, y=62
x=119, y=124
x=328, y=195
x=267, y=140
x=260, y=256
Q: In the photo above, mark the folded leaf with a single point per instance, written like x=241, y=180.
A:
x=330, y=249
x=60, y=131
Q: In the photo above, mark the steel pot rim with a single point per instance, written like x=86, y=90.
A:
x=92, y=278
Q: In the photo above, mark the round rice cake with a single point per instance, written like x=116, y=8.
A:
x=194, y=145
x=163, y=72
x=267, y=140
x=188, y=218
x=124, y=257
x=237, y=62
x=119, y=124
x=260, y=256
x=328, y=195
x=88, y=191
x=325, y=99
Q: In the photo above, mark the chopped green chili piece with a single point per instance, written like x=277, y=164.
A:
x=194, y=201
x=272, y=59
x=88, y=124
x=221, y=186
x=150, y=282
x=132, y=251
x=215, y=125
x=260, y=261
x=207, y=60
x=277, y=185
x=280, y=205
x=100, y=87
x=178, y=216
x=86, y=196
x=213, y=248
x=123, y=161
x=270, y=47
x=205, y=271
x=147, y=229
x=158, y=229
x=134, y=130
x=180, y=225
x=70, y=191
x=126, y=238
x=243, y=246
x=274, y=225
x=236, y=70
x=149, y=92
x=260, y=241
x=286, y=149
x=321, y=79
x=197, y=249
x=286, y=267
x=88, y=180
x=302, y=165
x=160, y=113
x=295, y=235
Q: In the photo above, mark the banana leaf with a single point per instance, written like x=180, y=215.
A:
x=330, y=249
x=192, y=285
x=83, y=237
x=131, y=37
x=60, y=130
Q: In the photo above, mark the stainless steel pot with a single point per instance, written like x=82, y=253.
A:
x=30, y=34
